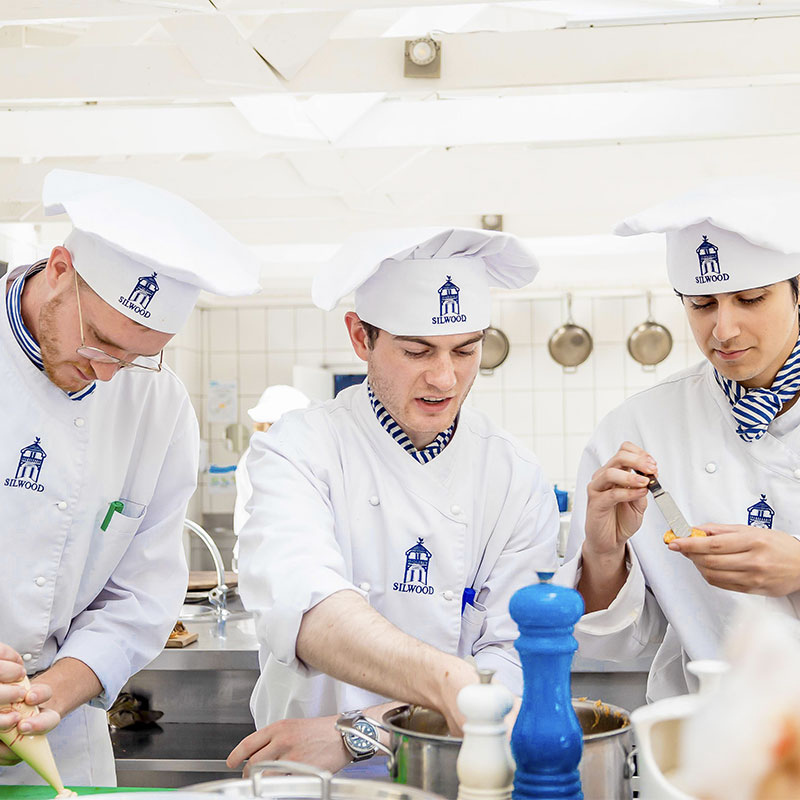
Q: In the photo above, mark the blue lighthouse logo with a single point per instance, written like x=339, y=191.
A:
x=415, y=577
x=449, y=304
x=760, y=514
x=29, y=468
x=708, y=256
x=142, y=294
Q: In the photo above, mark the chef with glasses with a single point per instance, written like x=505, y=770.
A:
x=99, y=455
x=723, y=437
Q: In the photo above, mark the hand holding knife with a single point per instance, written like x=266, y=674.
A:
x=672, y=514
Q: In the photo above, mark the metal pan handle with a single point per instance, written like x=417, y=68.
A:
x=293, y=768
x=344, y=727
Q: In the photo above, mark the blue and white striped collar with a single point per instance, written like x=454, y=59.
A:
x=424, y=455
x=23, y=336
x=755, y=409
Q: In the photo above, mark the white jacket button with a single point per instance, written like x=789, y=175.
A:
x=364, y=586
x=456, y=510
x=26, y=656
x=62, y=504
x=447, y=594
x=40, y=581
x=796, y=473
x=374, y=500
x=79, y=422
x=711, y=468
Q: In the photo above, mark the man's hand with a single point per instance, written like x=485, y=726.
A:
x=312, y=741
x=745, y=559
x=616, y=502
x=18, y=706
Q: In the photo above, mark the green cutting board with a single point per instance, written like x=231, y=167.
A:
x=42, y=792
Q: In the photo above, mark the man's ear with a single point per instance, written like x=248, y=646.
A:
x=59, y=266
x=358, y=335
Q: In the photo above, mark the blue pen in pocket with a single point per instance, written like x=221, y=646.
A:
x=467, y=598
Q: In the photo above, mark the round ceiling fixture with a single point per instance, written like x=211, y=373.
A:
x=423, y=51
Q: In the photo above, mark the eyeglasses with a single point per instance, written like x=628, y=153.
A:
x=96, y=354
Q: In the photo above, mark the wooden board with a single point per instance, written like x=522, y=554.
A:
x=207, y=579
x=181, y=640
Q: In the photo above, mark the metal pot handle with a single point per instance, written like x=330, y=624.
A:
x=293, y=768
x=629, y=770
x=344, y=727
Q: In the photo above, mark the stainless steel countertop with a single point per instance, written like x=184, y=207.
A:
x=231, y=645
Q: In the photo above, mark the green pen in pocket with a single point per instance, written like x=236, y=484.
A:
x=117, y=507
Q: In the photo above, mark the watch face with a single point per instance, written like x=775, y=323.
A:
x=356, y=743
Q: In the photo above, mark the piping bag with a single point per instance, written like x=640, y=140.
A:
x=33, y=748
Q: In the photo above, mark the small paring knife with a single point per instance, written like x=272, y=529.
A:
x=676, y=521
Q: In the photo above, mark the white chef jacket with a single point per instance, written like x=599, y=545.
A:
x=108, y=598
x=666, y=607
x=244, y=489
x=337, y=504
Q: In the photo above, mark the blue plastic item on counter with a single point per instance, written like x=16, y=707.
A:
x=562, y=498
x=547, y=740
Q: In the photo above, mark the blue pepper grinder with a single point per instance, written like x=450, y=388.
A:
x=547, y=740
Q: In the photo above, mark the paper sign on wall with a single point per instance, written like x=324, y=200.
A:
x=223, y=401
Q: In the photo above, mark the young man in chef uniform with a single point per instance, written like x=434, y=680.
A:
x=390, y=526
x=723, y=438
x=97, y=473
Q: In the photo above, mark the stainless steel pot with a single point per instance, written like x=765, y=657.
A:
x=305, y=783
x=570, y=345
x=649, y=343
x=425, y=754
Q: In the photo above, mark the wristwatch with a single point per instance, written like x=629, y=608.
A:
x=358, y=747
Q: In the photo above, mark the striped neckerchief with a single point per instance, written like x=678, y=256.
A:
x=754, y=409
x=23, y=336
x=398, y=434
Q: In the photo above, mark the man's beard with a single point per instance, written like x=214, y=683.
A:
x=51, y=358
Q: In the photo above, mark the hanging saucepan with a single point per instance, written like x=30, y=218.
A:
x=649, y=343
x=495, y=350
x=571, y=344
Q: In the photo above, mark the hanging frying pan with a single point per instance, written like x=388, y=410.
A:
x=649, y=343
x=570, y=345
x=495, y=350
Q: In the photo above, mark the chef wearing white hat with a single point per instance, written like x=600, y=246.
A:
x=391, y=525
x=274, y=402
x=97, y=473
x=723, y=437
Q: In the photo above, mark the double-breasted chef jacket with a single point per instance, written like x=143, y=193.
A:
x=666, y=608
x=106, y=597
x=337, y=505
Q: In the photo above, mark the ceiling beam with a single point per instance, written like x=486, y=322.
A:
x=720, y=51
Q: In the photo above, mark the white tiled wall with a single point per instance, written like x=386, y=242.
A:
x=550, y=410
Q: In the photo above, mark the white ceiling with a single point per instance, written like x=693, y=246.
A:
x=291, y=123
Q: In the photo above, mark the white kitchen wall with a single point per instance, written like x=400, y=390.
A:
x=551, y=411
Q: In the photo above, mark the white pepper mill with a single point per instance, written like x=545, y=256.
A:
x=485, y=766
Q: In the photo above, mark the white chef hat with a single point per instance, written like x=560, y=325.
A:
x=727, y=236
x=424, y=281
x=145, y=251
x=275, y=402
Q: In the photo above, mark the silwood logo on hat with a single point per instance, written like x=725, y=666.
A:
x=708, y=255
x=449, y=304
x=142, y=294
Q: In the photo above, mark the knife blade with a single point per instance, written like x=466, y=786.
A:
x=672, y=514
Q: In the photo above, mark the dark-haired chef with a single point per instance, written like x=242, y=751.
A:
x=390, y=526
x=722, y=436
x=99, y=454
